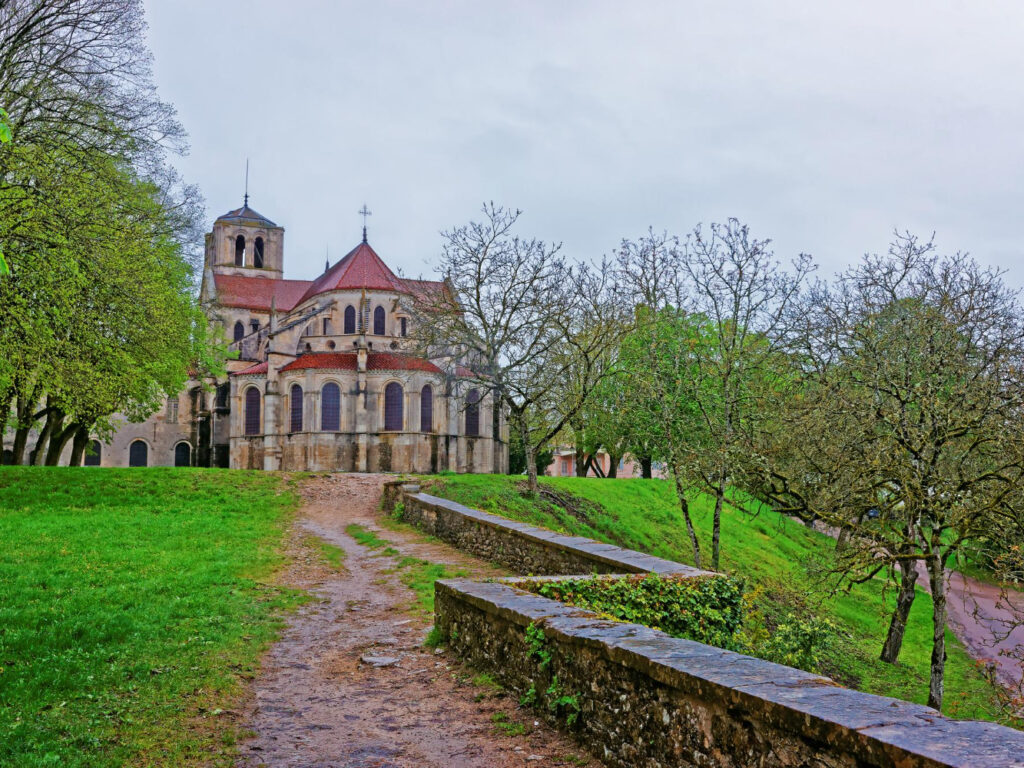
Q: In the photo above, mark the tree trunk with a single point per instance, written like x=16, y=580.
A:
x=613, y=467
x=716, y=526
x=645, y=467
x=18, y=449
x=78, y=446
x=5, y=412
x=531, y=471
x=936, y=682
x=39, y=454
x=898, y=622
x=684, y=505
x=58, y=440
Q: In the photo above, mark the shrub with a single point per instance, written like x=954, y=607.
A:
x=706, y=609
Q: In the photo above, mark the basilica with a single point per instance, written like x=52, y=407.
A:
x=324, y=378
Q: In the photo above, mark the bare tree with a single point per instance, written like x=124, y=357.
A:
x=903, y=420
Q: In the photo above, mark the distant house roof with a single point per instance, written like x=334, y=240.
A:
x=259, y=368
x=257, y=292
x=347, y=361
x=246, y=215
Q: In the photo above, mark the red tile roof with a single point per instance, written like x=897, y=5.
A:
x=251, y=370
x=360, y=268
x=257, y=292
x=337, y=361
x=346, y=361
x=386, y=361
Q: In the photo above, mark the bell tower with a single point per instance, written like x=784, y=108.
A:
x=244, y=242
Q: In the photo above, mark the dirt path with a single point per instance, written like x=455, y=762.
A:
x=350, y=683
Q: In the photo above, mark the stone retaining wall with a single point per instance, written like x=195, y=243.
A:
x=521, y=548
x=640, y=698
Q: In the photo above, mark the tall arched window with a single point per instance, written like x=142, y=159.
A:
x=393, y=407
x=378, y=321
x=93, y=454
x=240, y=251
x=473, y=413
x=257, y=253
x=426, y=409
x=138, y=454
x=239, y=330
x=330, y=407
x=350, y=319
x=296, y=403
x=252, y=411
x=183, y=455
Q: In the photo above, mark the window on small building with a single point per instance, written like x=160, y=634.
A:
x=183, y=455
x=393, y=416
x=405, y=326
x=257, y=253
x=93, y=454
x=240, y=251
x=172, y=410
x=330, y=407
x=252, y=411
x=378, y=321
x=327, y=326
x=138, y=454
x=239, y=330
x=473, y=413
x=296, y=403
x=350, y=319
x=427, y=409
x=254, y=324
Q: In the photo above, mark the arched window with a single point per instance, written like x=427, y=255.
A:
x=138, y=454
x=257, y=253
x=252, y=411
x=473, y=413
x=350, y=319
x=296, y=403
x=330, y=407
x=183, y=455
x=393, y=407
x=240, y=251
x=378, y=321
x=405, y=326
x=426, y=409
x=239, y=330
x=93, y=454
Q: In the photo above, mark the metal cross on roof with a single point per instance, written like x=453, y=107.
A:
x=364, y=213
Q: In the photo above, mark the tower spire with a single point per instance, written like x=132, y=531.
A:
x=245, y=202
x=364, y=213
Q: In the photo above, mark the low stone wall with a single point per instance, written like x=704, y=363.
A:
x=521, y=548
x=638, y=697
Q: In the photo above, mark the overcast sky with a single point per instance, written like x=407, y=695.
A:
x=823, y=125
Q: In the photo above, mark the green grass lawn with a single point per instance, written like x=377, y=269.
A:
x=133, y=603
x=769, y=551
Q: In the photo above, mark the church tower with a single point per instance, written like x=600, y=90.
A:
x=244, y=242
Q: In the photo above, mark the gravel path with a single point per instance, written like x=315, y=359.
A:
x=322, y=700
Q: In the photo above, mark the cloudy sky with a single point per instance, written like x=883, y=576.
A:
x=823, y=125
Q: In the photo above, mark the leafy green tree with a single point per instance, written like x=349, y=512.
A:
x=909, y=403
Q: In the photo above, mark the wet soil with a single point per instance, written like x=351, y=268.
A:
x=350, y=682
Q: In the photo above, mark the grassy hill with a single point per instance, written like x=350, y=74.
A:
x=132, y=602
x=769, y=551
